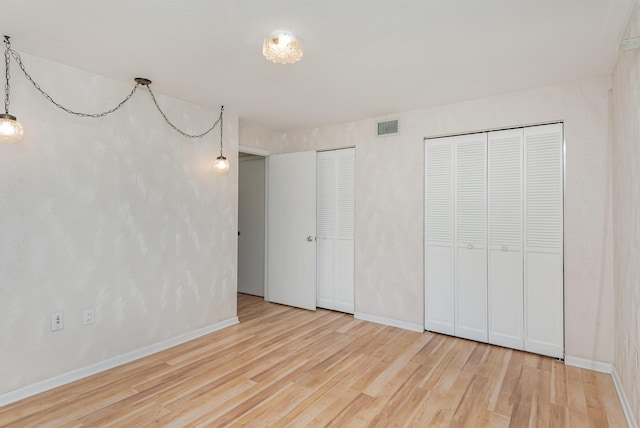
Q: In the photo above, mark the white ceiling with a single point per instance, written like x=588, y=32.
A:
x=362, y=58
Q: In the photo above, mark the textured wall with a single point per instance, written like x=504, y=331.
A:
x=389, y=201
x=120, y=214
x=626, y=205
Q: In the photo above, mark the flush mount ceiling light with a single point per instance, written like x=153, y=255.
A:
x=282, y=47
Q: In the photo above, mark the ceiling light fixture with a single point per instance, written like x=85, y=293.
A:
x=282, y=47
x=221, y=164
x=10, y=129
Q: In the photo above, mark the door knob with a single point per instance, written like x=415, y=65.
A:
x=310, y=238
x=504, y=248
x=470, y=246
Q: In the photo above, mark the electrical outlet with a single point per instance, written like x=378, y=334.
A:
x=89, y=316
x=57, y=321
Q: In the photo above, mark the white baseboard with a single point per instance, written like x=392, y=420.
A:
x=582, y=363
x=628, y=412
x=72, y=376
x=419, y=328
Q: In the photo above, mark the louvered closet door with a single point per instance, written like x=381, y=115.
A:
x=439, y=236
x=336, y=229
x=505, y=276
x=543, y=241
x=471, y=237
x=326, y=228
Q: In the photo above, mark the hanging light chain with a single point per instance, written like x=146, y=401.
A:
x=8, y=53
x=153, y=97
x=221, y=127
x=7, y=59
x=16, y=56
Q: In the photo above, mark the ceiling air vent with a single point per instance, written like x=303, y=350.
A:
x=388, y=127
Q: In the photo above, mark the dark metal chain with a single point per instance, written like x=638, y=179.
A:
x=16, y=56
x=153, y=97
x=7, y=58
x=8, y=53
x=221, y=127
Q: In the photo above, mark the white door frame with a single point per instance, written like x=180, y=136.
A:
x=265, y=154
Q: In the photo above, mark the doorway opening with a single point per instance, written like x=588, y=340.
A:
x=251, y=223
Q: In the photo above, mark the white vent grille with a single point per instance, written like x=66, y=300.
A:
x=388, y=127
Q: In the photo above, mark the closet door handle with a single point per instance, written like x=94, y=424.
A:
x=470, y=246
x=504, y=248
x=310, y=238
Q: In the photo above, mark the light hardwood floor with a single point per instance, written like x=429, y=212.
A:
x=289, y=367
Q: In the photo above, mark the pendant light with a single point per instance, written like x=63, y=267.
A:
x=221, y=164
x=10, y=129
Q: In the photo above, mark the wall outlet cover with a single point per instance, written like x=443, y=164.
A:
x=57, y=321
x=89, y=316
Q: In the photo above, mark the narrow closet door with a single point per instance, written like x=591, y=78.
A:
x=471, y=237
x=345, y=228
x=336, y=227
x=506, y=300
x=543, y=241
x=439, y=237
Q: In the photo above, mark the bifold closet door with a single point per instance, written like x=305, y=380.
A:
x=336, y=229
x=505, y=259
x=470, y=178
x=439, y=236
x=455, y=228
x=543, y=240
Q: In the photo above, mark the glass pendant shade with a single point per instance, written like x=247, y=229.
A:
x=221, y=165
x=282, y=48
x=10, y=129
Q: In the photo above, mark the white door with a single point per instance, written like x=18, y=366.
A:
x=439, y=255
x=543, y=240
x=336, y=229
x=251, y=188
x=291, y=229
x=471, y=237
x=506, y=299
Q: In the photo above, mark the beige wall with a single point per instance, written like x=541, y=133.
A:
x=389, y=201
x=120, y=214
x=626, y=204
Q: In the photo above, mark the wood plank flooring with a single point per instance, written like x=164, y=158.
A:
x=288, y=367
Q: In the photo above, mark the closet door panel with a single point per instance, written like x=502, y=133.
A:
x=471, y=294
x=335, y=229
x=505, y=276
x=439, y=236
x=506, y=299
x=544, y=303
x=344, y=245
x=439, y=293
x=344, y=279
x=325, y=273
x=470, y=234
x=326, y=229
x=543, y=246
